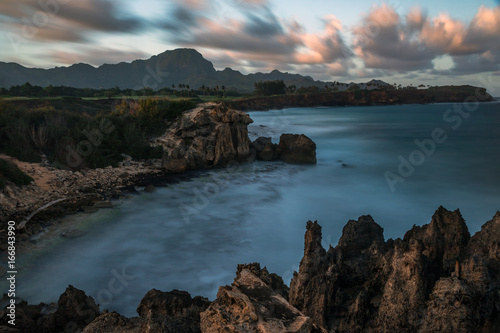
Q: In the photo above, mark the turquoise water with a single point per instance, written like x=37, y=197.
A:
x=192, y=235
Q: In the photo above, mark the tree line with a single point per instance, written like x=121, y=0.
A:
x=181, y=90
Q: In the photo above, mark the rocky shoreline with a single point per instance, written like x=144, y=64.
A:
x=436, y=279
x=209, y=136
x=56, y=193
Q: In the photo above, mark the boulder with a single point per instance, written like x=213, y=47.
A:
x=297, y=149
x=293, y=148
x=265, y=149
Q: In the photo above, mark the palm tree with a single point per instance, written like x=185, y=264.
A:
x=224, y=91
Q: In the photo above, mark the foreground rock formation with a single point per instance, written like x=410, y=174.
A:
x=436, y=279
x=255, y=302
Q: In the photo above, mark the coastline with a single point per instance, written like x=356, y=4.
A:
x=451, y=94
x=82, y=191
x=65, y=193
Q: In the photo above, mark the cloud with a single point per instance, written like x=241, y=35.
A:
x=382, y=41
x=385, y=40
x=65, y=20
x=96, y=56
x=258, y=36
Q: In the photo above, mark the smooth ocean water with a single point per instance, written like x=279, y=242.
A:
x=192, y=235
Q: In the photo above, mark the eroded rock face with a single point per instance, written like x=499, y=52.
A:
x=210, y=135
x=173, y=311
x=73, y=311
x=252, y=305
x=113, y=322
x=437, y=279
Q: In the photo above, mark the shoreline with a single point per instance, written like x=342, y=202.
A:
x=445, y=94
x=66, y=193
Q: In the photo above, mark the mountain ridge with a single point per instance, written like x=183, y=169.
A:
x=172, y=67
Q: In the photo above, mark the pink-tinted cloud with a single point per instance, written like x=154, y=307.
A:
x=260, y=37
x=326, y=48
x=385, y=40
x=96, y=56
x=64, y=20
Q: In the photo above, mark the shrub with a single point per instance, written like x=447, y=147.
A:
x=10, y=172
x=26, y=133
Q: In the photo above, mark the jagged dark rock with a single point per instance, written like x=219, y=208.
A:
x=113, y=322
x=252, y=305
x=437, y=279
x=274, y=281
x=173, y=311
x=73, y=312
x=266, y=150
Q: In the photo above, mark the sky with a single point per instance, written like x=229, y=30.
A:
x=418, y=42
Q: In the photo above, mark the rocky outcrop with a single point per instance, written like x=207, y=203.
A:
x=72, y=313
x=251, y=304
x=292, y=148
x=436, y=279
x=173, y=311
x=209, y=136
x=112, y=322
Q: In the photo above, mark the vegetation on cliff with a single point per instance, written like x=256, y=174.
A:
x=76, y=140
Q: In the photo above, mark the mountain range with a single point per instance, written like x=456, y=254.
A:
x=186, y=66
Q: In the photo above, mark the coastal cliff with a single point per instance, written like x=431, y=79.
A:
x=446, y=94
x=211, y=135
x=436, y=279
